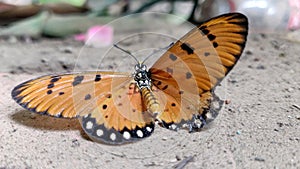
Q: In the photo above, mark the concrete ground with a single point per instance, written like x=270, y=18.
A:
x=259, y=128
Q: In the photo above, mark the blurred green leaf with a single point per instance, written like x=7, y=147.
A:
x=99, y=7
x=54, y=25
x=77, y=3
x=61, y=26
x=32, y=26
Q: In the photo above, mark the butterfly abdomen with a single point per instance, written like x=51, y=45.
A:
x=150, y=101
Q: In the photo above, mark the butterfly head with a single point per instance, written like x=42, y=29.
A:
x=141, y=76
x=140, y=67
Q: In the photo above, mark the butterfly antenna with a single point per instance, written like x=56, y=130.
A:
x=126, y=51
x=158, y=50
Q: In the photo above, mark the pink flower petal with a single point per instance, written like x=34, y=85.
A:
x=80, y=37
x=294, y=21
x=99, y=36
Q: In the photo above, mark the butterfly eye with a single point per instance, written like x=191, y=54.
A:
x=136, y=67
x=144, y=67
x=140, y=67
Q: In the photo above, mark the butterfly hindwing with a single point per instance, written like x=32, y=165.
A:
x=178, y=100
x=120, y=118
x=197, y=63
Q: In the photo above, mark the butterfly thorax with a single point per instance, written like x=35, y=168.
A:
x=143, y=80
x=141, y=76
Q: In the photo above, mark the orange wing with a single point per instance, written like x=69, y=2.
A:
x=107, y=103
x=194, y=65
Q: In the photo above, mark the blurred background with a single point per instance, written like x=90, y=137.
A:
x=60, y=18
x=76, y=29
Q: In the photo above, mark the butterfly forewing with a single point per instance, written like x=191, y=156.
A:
x=62, y=95
x=108, y=104
x=197, y=63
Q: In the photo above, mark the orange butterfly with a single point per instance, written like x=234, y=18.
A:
x=177, y=91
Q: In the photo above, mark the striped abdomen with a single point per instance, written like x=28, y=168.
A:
x=150, y=101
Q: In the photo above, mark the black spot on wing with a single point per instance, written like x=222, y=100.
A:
x=51, y=85
x=165, y=87
x=97, y=78
x=54, y=79
x=188, y=75
x=169, y=70
x=186, y=47
x=77, y=80
x=206, y=53
x=215, y=44
x=211, y=37
x=49, y=91
x=205, y=31
x=172, y=57
x=108, y=96
x=87, y=97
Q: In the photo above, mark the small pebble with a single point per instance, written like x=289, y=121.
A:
x=296, y=106
x=280, y=124
x=66, y=50
x=75, y=143
x=150, y=164
x=282, y=55
x=232, y=81
x=256, y=59
x=248, y=52
x=227, y=101
x=261, y=67
x=178, y=157
x=173, y=160
x=259, y=159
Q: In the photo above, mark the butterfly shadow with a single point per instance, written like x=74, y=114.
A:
x=44, y=122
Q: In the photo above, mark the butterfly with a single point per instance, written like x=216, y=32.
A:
x=176, y=92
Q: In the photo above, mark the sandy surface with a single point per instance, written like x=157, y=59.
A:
x=259, y=128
